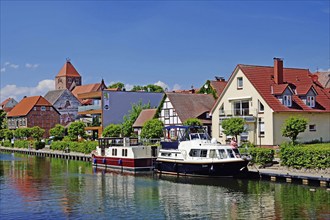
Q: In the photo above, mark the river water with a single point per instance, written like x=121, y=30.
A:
x=51, y=188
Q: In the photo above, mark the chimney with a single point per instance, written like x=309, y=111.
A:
x=278, y=70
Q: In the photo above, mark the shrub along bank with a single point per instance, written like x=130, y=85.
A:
x=261, y=155
x=306, y=156
x=85, y=147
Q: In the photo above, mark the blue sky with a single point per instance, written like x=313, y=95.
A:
x=176, y=44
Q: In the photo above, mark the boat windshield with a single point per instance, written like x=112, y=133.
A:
x=199, y=136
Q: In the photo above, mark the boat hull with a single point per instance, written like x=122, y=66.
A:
x=128, y=164
x=207, y=169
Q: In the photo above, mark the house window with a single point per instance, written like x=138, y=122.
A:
x=35, y=108
x=261, y=127
x=43, y=108
x=311, y=101
x=222, y=110
x=261, y=107
x=77, y=81
x=239, y=82
x=166, y=113
x=69, y=80
x=312, y=127
x=287, y=100
x=241, y=108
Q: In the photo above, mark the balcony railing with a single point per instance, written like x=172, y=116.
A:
x=247, y=113
x=88, y=108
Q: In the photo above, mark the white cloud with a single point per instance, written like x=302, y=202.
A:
x=3, y=69
x=31, y=66
x=15, y=66
x=323, y=70
x=128, y=87
x=19, y=92
x=162, y=84
x=7, y=63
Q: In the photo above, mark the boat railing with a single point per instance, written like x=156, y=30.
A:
x=116, y=141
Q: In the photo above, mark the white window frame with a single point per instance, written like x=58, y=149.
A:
x=259, y=107
x=287, y=100
x=310, y=101
x=166, y=113
x=239, y=82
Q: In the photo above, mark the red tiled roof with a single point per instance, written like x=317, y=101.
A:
x=145, y=115
x=262, y=79
x=218, y=86
x=68, y=70
x=279, y=89
x=26, y=105
x=85, y=89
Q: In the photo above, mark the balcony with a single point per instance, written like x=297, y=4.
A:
x=248, y=114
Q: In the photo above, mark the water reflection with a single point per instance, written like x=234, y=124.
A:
x=33, y=187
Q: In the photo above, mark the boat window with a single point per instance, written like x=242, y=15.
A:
x=165, y=154
x=124, y=152
x=236, y=153
x=212, y=154
x=194, y=136
x=204, y=136
x=230, y=153
x=114, y=152
x=203, y=153
x=194, y=152
x=222, y=154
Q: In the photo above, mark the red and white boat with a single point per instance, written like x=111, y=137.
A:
x=125, y=154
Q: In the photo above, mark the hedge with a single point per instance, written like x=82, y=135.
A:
x=261, y=155
x=316, y=156
x=85, y=147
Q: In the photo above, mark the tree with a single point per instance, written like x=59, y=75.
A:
x=152, y=129
x=9, y=134
x=233, y=126
x=208, y=89
x=112, y=130
x=76, y=129
x=22, y=133
x=148, y=88
x=129, y=119
x=293, y=126
x=37, y=132
x=119, y=85
x=58, y=132
x=3, y=119
x=193, y=122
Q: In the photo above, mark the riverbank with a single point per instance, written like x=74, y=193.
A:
x=275, y=172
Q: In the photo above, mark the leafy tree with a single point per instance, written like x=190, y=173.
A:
x=58, y=132
x=208, y=89
x=233, y=126
x=3, y=119
x=2, y=134
x=112, y=130
x=9, y=134
x=22, y=133
x=148, y=88
x=119, y=85
x=293, y=126
x=129, y=119
x=37, y=132
x=76, y=129
x=152, y=129
x=193, y=122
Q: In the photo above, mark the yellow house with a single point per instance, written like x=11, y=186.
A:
x=265, y=96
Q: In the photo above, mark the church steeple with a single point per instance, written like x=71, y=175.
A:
x=67, y=77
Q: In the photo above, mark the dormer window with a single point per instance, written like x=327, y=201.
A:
x=310, y=101
x=287, y=101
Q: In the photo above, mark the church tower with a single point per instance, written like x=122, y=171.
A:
x=68, y=77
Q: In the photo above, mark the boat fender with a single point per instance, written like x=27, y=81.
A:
x=120, y=162
x=104, y=160
x=94, y=161
x=175, y=166
x=211, y=170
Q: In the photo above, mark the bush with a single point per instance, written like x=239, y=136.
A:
x=6, y=143
x=85, y=147
x=261, y=155
x=21, y=144
x=306, y=156
x=39, y=145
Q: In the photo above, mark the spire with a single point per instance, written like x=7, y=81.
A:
x=68, y=70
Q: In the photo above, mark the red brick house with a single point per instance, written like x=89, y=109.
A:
x=33, y=111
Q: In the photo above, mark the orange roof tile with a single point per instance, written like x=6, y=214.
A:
x=26, y=105
x=86, y=88
x=68, y=70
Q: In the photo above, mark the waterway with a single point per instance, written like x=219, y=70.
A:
x=50, y=188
